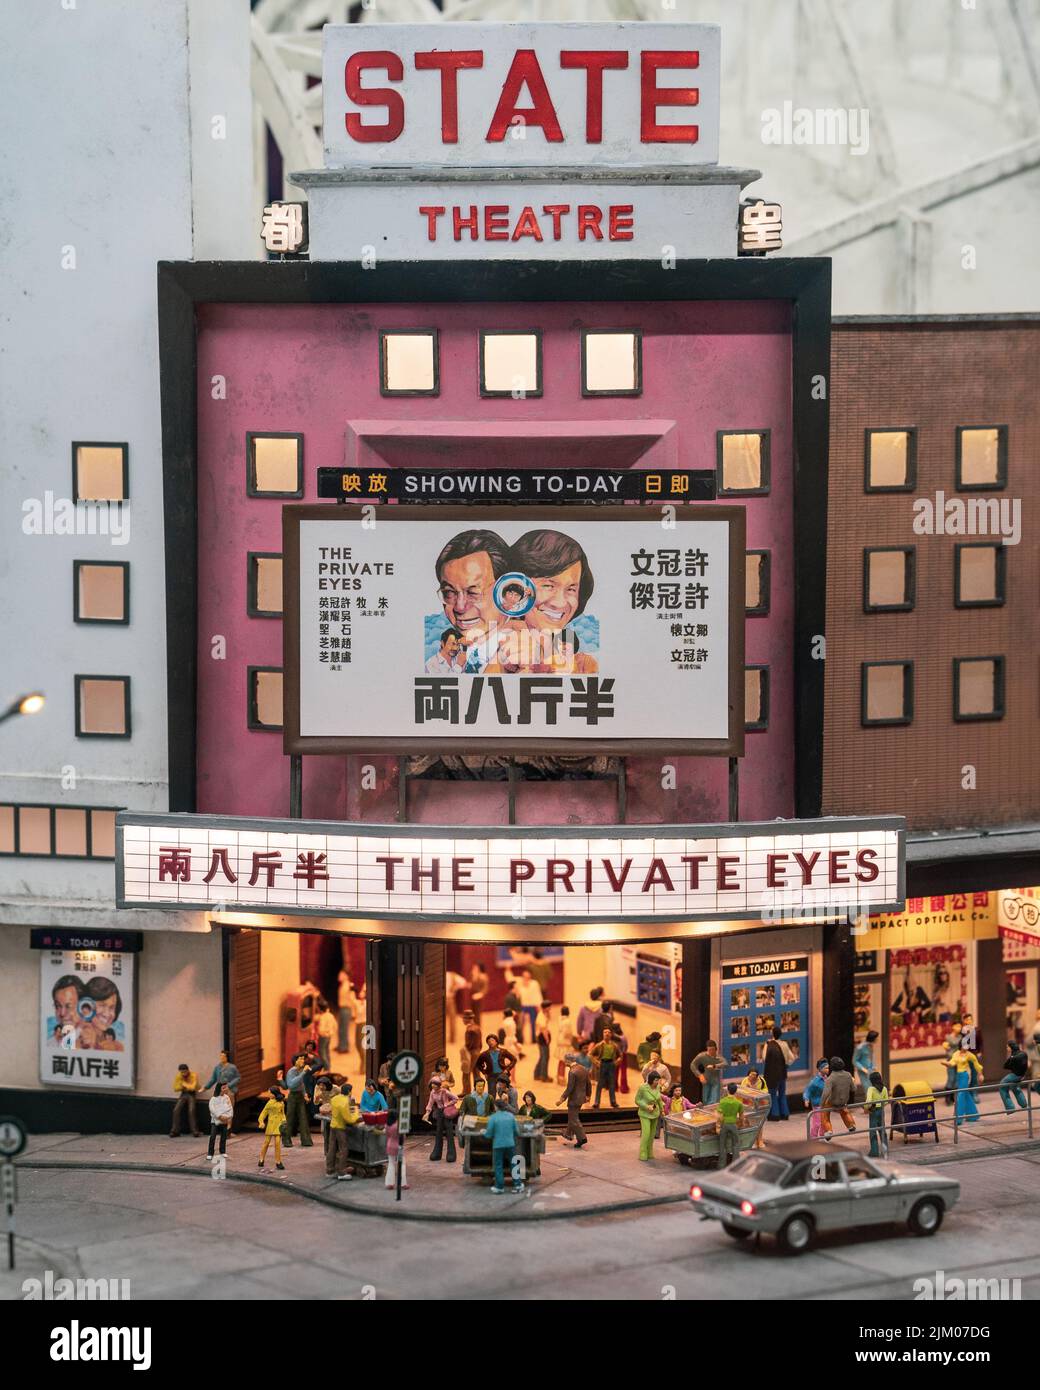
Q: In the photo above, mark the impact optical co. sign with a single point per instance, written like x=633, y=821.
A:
x=598, y=874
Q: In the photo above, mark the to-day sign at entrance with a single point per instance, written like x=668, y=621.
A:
x=511, y=95
x=580, y=874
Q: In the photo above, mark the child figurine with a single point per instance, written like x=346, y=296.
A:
x=273, y=1117
x=393, y=1153
x=877, y=1097
x=813, y=1097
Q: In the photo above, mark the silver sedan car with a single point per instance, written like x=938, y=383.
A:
x=794, y=1190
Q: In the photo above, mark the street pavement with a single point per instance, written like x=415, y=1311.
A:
x=181, y=1235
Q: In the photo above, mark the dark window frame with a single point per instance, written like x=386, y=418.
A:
x=537, y=334
x=911, y=457
x=637, y=337
x=427, y=332
x=252, y=608
x=765, y=591
x=1002, y=459
x=77, y=617
x=1000, y=572
x=764, y=461
x=124, y=447
x=908, y=605
x=999, y=690
x=762, y=723
x=252, y=719
x=79, y=678
x=908, y=696
x=18, y=853
x=251, y=487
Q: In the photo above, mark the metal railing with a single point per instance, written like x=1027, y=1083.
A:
x=891, y=1126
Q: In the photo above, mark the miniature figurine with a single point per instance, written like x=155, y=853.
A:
x=273, y=1117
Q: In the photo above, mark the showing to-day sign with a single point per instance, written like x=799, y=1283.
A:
x=494, y=95
x=517, y=484
x=470, y=628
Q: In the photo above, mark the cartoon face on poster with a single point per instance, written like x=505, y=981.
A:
x=928, y=990
x=517, y=631
x=86, y=1019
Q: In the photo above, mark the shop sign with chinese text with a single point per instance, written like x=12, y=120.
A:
x=589, y=874
x=618, y=629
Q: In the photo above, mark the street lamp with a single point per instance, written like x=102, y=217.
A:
x=25, y=704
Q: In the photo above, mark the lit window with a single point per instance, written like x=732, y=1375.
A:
x=102, y=706
x=981, y=458
x=756, y=697
x=408, y=363
x=265, y=697
x=891, y=460
x=264, y=585
x=510, y=364
x=979, y=575
x=101, y=592
x=70, y=831
x=103, y=834
x=978, y=687
x=756, y=582
x=34, y=830
x=275, y=465
x=611, y=363
x=888, y=579
x=742, y=461
x=6, y=830
x=887, y=692
x=100, y=472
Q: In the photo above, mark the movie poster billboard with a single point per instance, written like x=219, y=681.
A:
x=556, y=628
x=928, y=997
x=87, y=1024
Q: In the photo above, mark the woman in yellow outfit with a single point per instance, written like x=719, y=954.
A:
x=961, y=1062
x=272, y=1117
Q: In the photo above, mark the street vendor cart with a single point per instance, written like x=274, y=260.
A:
x=477, y=1161
x=913, y=1110
x=366, y=1149
x=693, y=1135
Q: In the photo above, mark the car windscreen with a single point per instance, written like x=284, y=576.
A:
x=760, y=1167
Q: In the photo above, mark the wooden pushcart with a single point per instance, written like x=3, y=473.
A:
x=693, y=1136
x=477, y=1161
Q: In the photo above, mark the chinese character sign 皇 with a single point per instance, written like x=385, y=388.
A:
x=526, y=631
x=87, y=1018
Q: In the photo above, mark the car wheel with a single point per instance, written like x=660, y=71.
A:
x=735, y=1231
x=796, y=1234
x=926, y=1217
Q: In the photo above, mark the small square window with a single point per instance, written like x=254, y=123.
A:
x=510, y=364
x=7, y=829
x=888, y=579
x=756, y=697
x=100, y=472
x=891, y=460
x=100, y=592
x=979, y=575
x=102, y=706
x=70, y=831
x=981, y=458
x=274, y=465
x=264, y=584
x=756, y=582
x=265, y=697
x=886, y=692
x=34, y=830
x=611, y=363
x=409, y=363
x=103, y=834
x=742, y=462
x=978, y=687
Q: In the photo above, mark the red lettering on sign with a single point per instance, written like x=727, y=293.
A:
x=433, y=873
x=695, y=861
x=431, y=215
x=620, y=224
x=652, y=96
x=519, y=871
x=525, y=71
x=589, y=219
x=617, y=881
x=556, y=211
x=449, y=65
x=595, y=62
x=527, y=225
x=496, y=227
x=561, y=869
x=460, y=876
x=868, y=867
x=460, y=223
x=838, y=863
x=356, y=64
x=807, y=865
x=775, y=870
x=658, y=874
x=391, y=861
x=724, y=879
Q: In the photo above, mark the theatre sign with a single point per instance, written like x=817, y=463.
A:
x=562, y=875
x=490, y=141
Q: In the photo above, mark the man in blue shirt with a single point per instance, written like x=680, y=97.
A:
x=297, y=1120
x=501, y=1130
